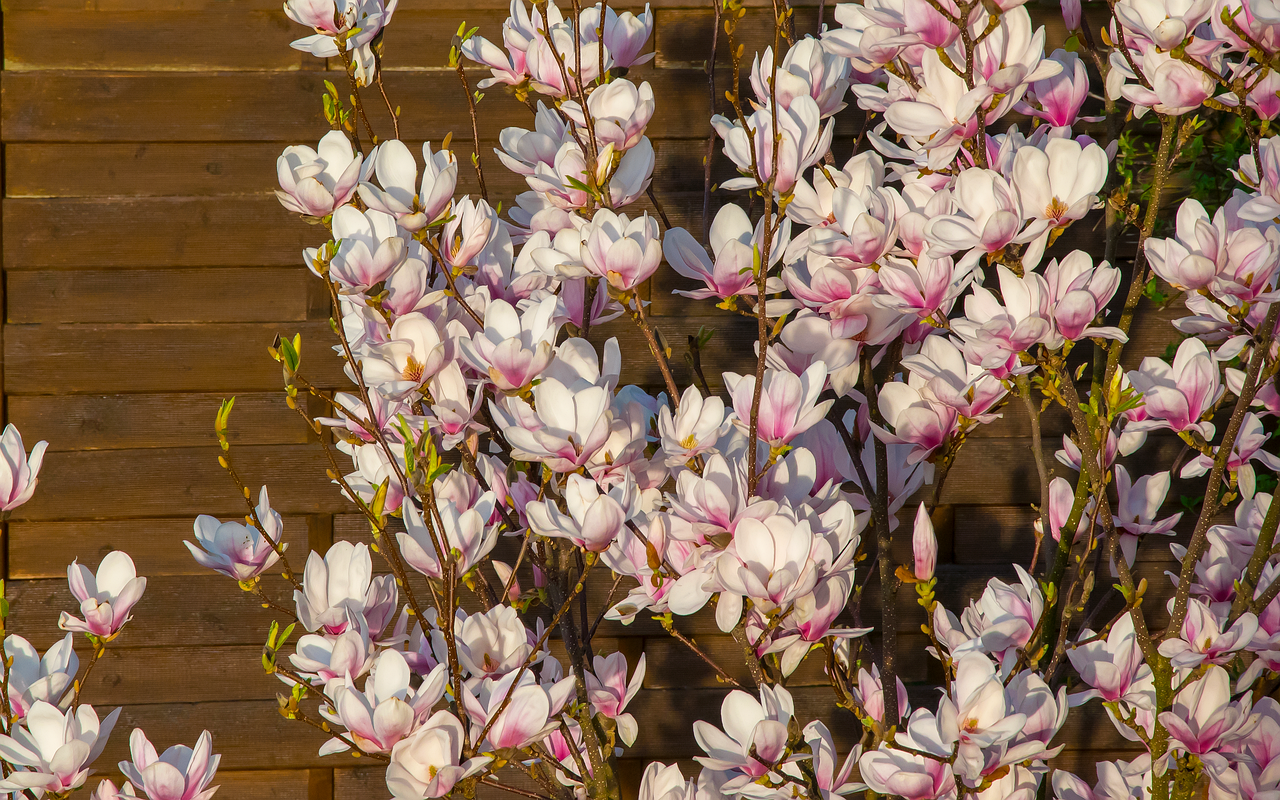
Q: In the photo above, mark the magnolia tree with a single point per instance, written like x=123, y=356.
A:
x=900, y=300
x=49, y=737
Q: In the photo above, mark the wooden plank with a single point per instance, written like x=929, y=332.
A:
x=186, y=169
x=139, y=676
x=43, y=359
x=85, y=39
x=275, y=743
x=44, y=549
x=255, y=294
x=175, y=611
x=168, y=482
x=114, y=421
x=682, y=37
x=153, y=232
x=240, y=784
x=273, y=106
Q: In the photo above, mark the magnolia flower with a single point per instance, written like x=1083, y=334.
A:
x=943, y=113
x=949, y=379
x=1005, y=616
x=802, y=141
x=788, y=403
x=33, y=679
x=619, y=113
x=1247, y=448
x=806, y=70
x=472, y=228
x=1139, y=503
x=106, y=598
x=594, y=520
x=326, y=658
x=1079, y=293
x=1176, y=87
x=900, y=774
x=1166, y=23
x=415, y=353
x=915, y=418
x=467, y=533
x=17, y=471
x=565, y=430
x=994, y=333
x=754, y=738
x=924, y=546
x=610, y=692
x=663, y=782
x=697, y=425
x=1202, y=638
x=1061, y=96
x=869, y=694
x=340, y=588
x=426, y=763
x=624, y=252
x=1112, y=667
x=55, y=748
x=180, y=773
x=1177, y=397
x=1190, y=260
x=414, y=208
x=331, y=18
x=513, y=348
x=625, y=34
x=1203, y=718
x=385, y=711
x=1061, y=182
x=532, y=712
x=733, y=243
x=773, y=561
x=369, y=248
x=239, y=551
x=492, y=643
x=318, y=182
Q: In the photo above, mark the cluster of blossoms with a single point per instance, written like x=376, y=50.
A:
x=49, y=737
x=902, y=300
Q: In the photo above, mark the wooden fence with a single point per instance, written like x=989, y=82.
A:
x=146, y=268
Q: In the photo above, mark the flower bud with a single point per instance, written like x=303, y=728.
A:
x=924, y=546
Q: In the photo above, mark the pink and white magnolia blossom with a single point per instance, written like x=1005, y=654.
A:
x=565, y=430
x=924, y=546
x=733, y=242
x=414, y=205
x=1203, y=717
x=532, y=712
x=610, y=692
x=788, y=402
x=369, y=248
x=949, y=379
x=595, y=518
x=1139, y=505
x=806, y=69
x=695, y=427
x=513, y=348
x=339, y=591
x=754, y=739
x=1079, y=293
x=179, y=773
x=1112, y=666
x=1203, y=639
x=53, y=749
x=1179, y=396
x=105, y=598
x=803, y=141
x=318, y=182
x=18, y=470
x=326, y=658
x=239, y=551
x=915, y=419
x=428, y=763
x=32, y=678
x=1059, y=183
x=625, y=252
x=493, y=643
x=619, y=110
x=1247, y=448
x=467, y=533
x=385, y=711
